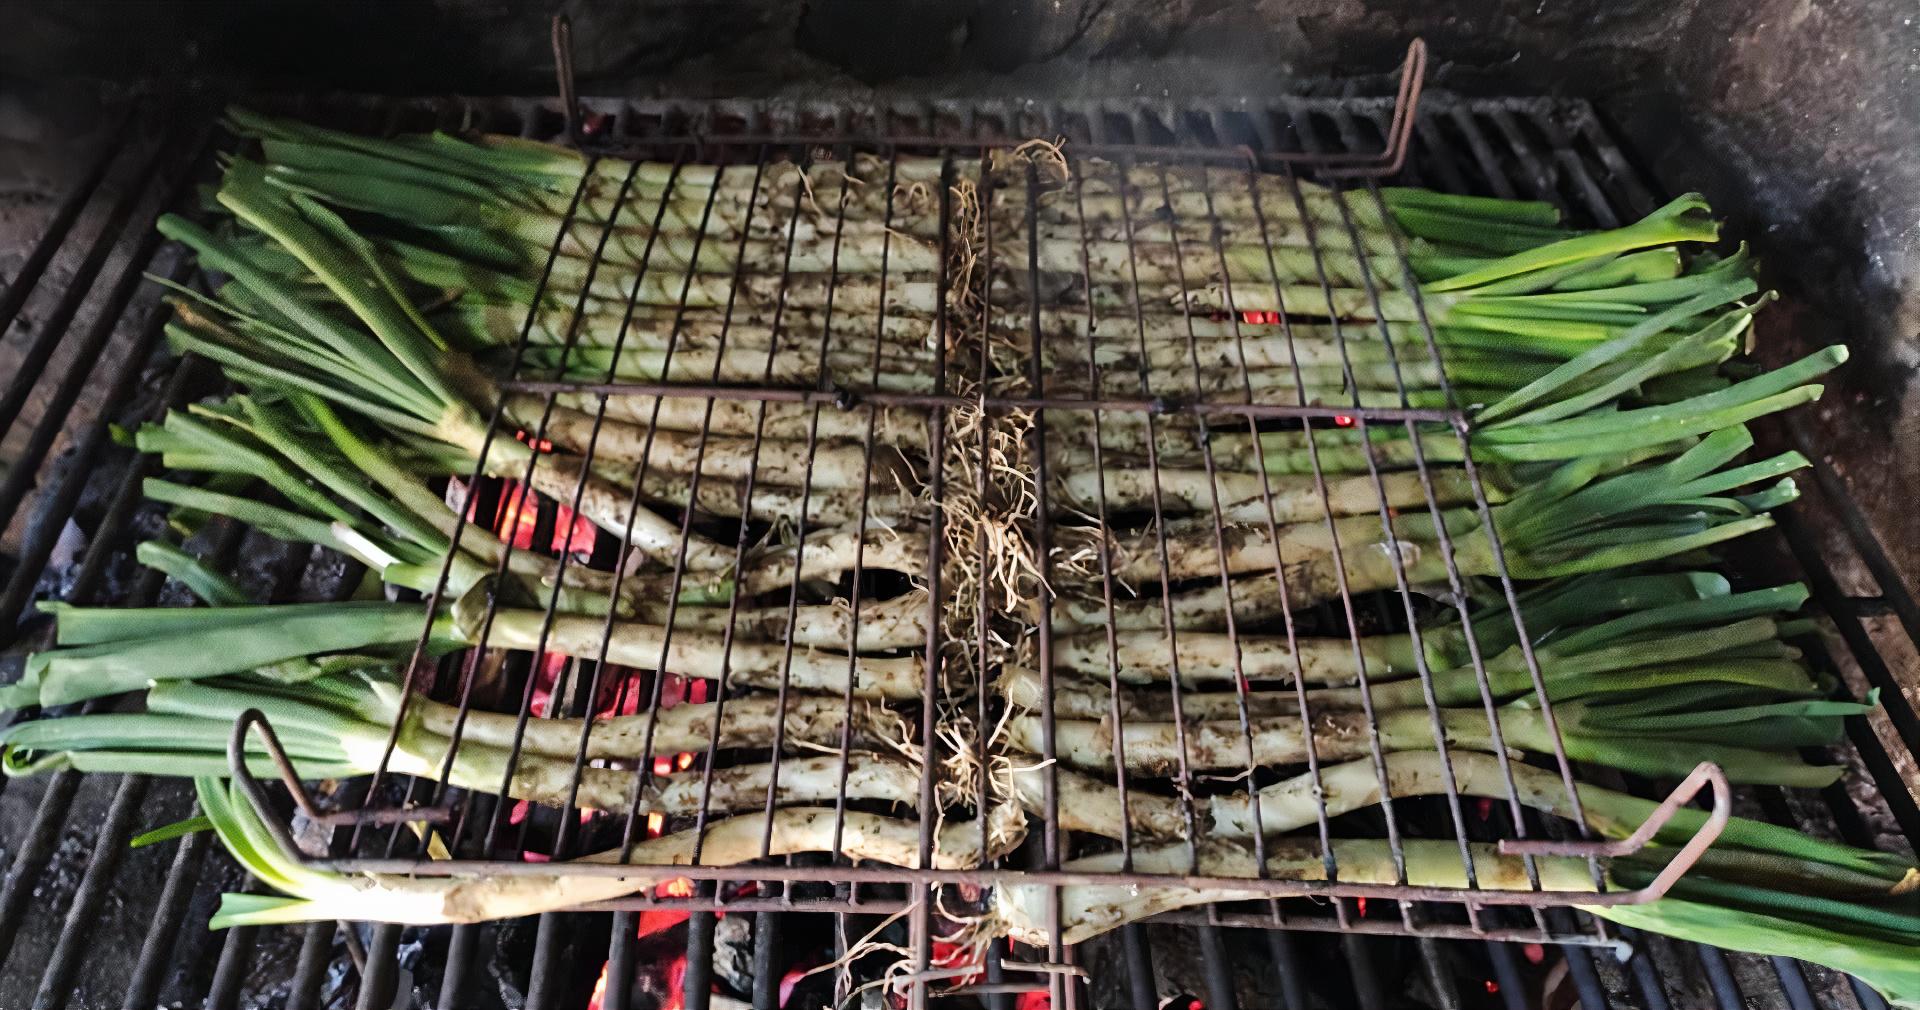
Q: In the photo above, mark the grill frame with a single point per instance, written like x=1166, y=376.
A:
x=1846, y=615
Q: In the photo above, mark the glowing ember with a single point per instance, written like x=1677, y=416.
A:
x=678, y=887
x=1037, y=1000
x=1362, y=903
x=1343, y=421
x=1534, y=953
x=656, y=823
x=1492, y=986
x=599, y=996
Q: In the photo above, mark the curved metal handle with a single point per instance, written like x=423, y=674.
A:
x=1705, y=774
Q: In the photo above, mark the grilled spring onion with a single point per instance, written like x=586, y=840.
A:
x=1587, y=515
x=307, y=895
x=1757, y=901
x=1652, y=732
x=337, y=727
x=1090, y=805
x=397, y=526
x=1571, y=652
x=107, y=651
x=398, y=371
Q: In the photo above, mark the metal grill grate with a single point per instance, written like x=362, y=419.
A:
x=1461, y=146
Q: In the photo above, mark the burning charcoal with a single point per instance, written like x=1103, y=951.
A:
x=733, y=952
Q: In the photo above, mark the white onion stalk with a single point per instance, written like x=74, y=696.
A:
x=1087, y=910
x=319, y=895
x=830, y=465
x=1253, y=499
x=892, y=425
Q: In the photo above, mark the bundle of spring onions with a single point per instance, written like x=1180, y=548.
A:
x=684, y=273
x=372, y=502
x=374, y=293
x=1586, y=515
x=1653, y=691
x=387, y=365
x=102, y=651
x=1767, y=892
x=1499, y=321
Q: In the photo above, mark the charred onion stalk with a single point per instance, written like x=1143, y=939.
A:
x=310, y=895
x=337, y=727
x=1293, y=476
x=1658, y=734
x=106, y=651
x=397, y=526
x=1669, y=620
x=1759, y=900
x=1587, y=515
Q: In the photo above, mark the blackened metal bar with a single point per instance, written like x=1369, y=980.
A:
x=316, y=955
x=697, y=983
x=1865, y=995
x=766, y=977
x=1217, y=969
x=1640, y=971
x=543, y=966
x=1793, y=983
x=1634, y=193
x=1580, y=968
x=1893, y=588
x=1440, y=980
x=1358, y=948
x=1462, y=118
x=156, y=952
x=1281, y=949
x=230, y=972
x=1141, y=992
x=382, y=973
x=1713, y=964
x=56, y=408
x=36, y=848
x=53, y=329
x=56, y=982
x=1852, y=631
x=1571, y=165
x=1535, y=169
x=1506, y=975
x=14, y=297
